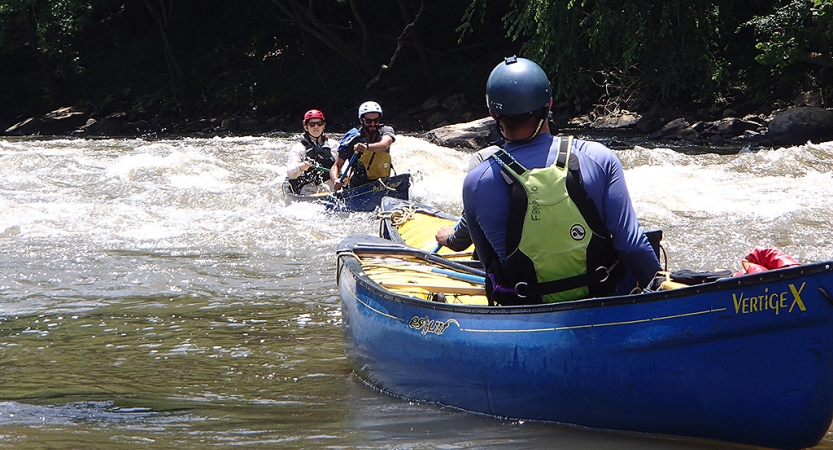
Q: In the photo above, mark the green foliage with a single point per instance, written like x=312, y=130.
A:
x=630, y=52
x=54, y=24
x=46, y=29
x=281, y=57
x=799, y=31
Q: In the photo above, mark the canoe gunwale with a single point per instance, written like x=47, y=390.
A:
x=343, y=200
x=351, y=261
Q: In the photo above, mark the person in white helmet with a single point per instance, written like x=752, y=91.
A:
x=365, y=149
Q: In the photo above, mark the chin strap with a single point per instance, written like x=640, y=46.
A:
x=534, y=133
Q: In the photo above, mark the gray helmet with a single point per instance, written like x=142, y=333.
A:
x=517, y=86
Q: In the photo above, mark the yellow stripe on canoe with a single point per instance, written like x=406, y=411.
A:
x=420, y=230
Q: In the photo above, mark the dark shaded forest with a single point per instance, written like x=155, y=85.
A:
x=179, y=60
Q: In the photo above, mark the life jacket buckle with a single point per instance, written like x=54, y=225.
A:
x=603, y=271
x=518, y=286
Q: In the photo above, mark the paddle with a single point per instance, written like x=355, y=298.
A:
x=405, y=252
x=461, y=290
x=475, y=279
x=347, y=169
x=316, y=166
x=349, y=138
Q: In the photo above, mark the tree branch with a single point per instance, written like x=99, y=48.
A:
x=306, y=19
x=817, y=59
x=399, y=42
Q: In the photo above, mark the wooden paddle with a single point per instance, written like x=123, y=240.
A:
x=402, y=252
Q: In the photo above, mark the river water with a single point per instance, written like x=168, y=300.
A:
x=160, y=293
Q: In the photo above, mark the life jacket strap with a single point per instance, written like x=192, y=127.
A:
x=600, y=275
x=507, y=160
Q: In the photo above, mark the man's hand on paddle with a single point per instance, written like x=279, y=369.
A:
x=443, y=234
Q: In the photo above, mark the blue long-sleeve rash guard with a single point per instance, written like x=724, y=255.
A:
x=486, y=202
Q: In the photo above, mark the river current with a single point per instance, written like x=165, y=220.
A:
x=161, y=293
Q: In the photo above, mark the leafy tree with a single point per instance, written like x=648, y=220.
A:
x=630, y=52
x=800, y=31
x=45, y=29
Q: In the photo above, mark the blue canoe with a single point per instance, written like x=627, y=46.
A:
x=746, y=359
x=366, y=197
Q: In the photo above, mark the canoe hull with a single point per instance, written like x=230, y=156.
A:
x=743, y=360
x=363, y=198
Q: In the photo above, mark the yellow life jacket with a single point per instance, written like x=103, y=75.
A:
x=377, y=164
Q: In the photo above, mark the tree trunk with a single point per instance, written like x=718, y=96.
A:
x=53, y=83
x=162, y=17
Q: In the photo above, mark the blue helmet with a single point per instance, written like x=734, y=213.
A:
x=517, y=86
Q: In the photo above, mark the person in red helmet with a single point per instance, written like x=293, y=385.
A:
x=308, y=168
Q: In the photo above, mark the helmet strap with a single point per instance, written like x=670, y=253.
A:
x=541, y=121
x=537, y=129
x=313, y=139
x=499, y=125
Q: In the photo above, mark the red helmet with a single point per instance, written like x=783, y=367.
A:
x=313, y=114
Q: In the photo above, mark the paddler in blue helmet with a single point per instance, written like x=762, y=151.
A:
x=550, y=217
x=365, y=149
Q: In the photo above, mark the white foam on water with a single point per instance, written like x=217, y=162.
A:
x=763, y=185
x=224, y=195
x=437, y=173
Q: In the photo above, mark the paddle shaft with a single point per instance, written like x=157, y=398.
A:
x=439, y=246
x=405, y=252
x=462, y=290
x=352, y=160
x=474, y=279
x=318, y=167
x=460, y=276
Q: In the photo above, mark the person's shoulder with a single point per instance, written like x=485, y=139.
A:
x=590, y=147
x=593, y=149
x=596, y=152
x=386, y=129
x=482, y=155
x=485, y=172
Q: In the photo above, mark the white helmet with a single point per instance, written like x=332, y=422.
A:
x=369, y=107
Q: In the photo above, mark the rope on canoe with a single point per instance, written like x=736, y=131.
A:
x=382, y=182
x=399, y=215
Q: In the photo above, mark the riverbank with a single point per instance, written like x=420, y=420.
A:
x=455, y=122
